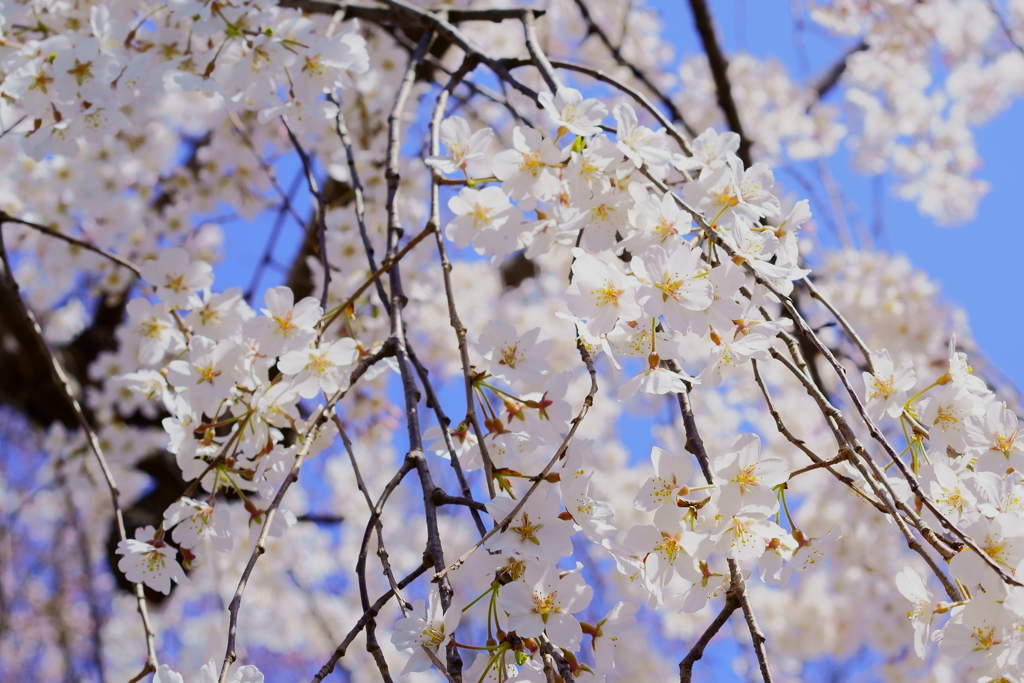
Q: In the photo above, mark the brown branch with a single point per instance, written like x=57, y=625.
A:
x=434, y=549
x=540, y=60
x=850, y=331
x=359, y=199
x=720, y=73
x=62, y=379
x=365, y=619
x=381, y=15
x=816, y=459
x=319, y=417
x=446, y=270
x=124, y=263
x=697, y=651
x=443, y=423
x=737, y=595
x=830, y=78
x=445, y=28
x=738, y=587
x=321, y=209
x=595, y=29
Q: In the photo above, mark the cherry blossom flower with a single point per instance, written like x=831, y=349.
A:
x=979, y=632
x=674, y=284
x=284, y=325
x=193, y=520
x=482, y=218
x=640, y=144
x=1005, y=442
x=529, y=170
x=151, y=562
x=536, y=530
x=179, y=281
x=462, y=145
x=608, y=634
x=220, y=314
x=656, y=222
x=808, y=553
x=746, y=538
x=512, y=357
x=732, y=354
x=207, y=377
x=886, y=389
x=543, y=601
x=747, y=480
x=664, y=554
x=324, y=368
x=656, y=380
x=951, y=420
x=911, y=584
x=952, y=497
x=603, y=215
x=600, y=294
x=318, y=68
x=568, y=110
x=419, y=633
x=660, y=494
x=595, y=517
x=711, y=149
x=156, y=333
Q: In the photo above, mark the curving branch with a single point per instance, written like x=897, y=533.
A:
x=62, y=379
x=720, y=73
x=315, y=422
x=595, y=29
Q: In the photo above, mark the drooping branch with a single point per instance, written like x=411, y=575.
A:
x=321, y=209
x=697, y=650
x=315, y=422
x=60, y=376
x=719, y=66
x=381, y=15
x=594, y=28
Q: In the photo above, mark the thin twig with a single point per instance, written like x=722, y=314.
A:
x=384, y=16
x=540, y=60
x=359, y=199
x=719, y=66
x=994, y=8
x=90, y=436
x=7, y=218
x=321, y=209
x=587, y=402
x=319, y=417
x=446, y=270
x=594, y=28
x=738, y=587
x=384, y=268
x=367, y=616
x=697, y=650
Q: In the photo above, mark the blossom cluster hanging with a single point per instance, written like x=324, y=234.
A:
x=828, y=435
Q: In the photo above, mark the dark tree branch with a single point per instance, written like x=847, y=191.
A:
x=720, y=73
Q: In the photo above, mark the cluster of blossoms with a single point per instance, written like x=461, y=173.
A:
x=666, y=272
x=966, y=456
